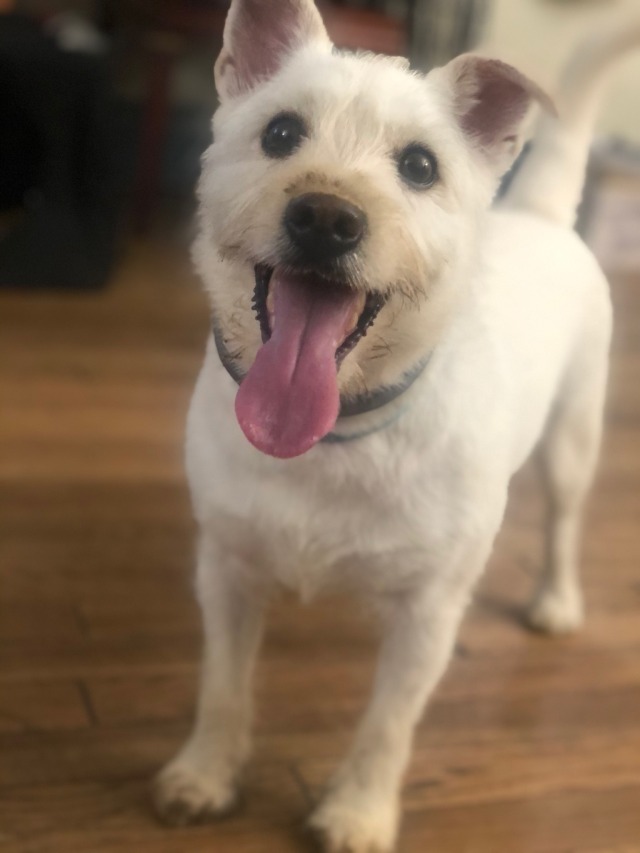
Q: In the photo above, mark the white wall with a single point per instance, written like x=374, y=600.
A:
x=538, y=35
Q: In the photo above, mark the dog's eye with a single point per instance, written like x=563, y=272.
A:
x=282, y=135
x=418, y=166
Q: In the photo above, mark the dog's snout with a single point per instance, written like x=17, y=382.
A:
x=324, y=226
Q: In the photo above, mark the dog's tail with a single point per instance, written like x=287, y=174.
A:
x=552, y=175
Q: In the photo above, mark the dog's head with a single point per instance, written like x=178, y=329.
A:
x=339, y=212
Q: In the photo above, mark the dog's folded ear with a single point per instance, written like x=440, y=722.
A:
x=490, y=100
x=258, y=37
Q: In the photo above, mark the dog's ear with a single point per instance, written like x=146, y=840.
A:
x=490, y=100
x=258, y=36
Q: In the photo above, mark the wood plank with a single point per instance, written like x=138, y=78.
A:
x=100, y=817
x=40, y=707
x=552, y=824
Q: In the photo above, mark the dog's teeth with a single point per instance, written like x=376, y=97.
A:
x=357, y=313
x=271, y=307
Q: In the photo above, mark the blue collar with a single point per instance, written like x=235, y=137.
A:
x=349, y=407
x=341, y=438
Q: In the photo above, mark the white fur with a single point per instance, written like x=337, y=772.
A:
x=516, y=314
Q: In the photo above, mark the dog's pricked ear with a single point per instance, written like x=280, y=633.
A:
x=490, y=101
x=258, y=36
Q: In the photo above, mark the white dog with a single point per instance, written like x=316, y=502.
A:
x=400, y=350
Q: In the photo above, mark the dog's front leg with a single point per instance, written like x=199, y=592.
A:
x=360, y=812
x=202, y=780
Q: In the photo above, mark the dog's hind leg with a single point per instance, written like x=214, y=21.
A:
x=568, y=455
x=202, y=781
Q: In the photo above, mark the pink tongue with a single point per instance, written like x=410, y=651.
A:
x=289, y=399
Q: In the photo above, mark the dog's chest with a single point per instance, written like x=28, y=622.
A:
x=310, y=538
x=377, y=512
x=319, y=534
x=359, y=520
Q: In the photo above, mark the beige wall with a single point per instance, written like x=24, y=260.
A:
x=537, y=36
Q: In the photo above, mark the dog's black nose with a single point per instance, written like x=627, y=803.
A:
x=323, y=226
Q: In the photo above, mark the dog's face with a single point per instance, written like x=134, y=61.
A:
x=340, y=207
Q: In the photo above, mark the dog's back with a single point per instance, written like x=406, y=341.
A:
x=545, y=306
x=545, y=298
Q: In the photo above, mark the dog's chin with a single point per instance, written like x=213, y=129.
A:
x=289, y=398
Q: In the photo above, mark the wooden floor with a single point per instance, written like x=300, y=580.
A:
x=531, y=745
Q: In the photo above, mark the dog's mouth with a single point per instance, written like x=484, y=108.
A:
x=289, y=399
x=365, y=306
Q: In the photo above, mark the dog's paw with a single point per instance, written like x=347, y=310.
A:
x=341, y=826
x=555, y=612
x=183, y=795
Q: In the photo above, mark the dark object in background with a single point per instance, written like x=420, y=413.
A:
x=442, y=29
x=57, y=162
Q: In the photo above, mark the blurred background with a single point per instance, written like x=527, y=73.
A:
x=106, y=107
x=530, y=745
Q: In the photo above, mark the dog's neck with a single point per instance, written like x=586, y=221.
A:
x=350, y=407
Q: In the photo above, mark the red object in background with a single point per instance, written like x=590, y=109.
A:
x=365, y=29
x=170, y=20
